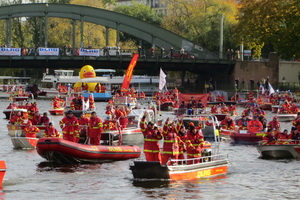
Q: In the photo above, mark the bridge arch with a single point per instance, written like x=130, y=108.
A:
x=140, y=29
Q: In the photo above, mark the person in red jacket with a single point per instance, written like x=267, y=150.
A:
x=282, y=137
x=31, y=130
x=56, y=103
x=227, y=123
x=32, y=110
x=69, y=125
x=44, y=120
x=243, y=123
x=17, y=119
x=36, y=118
x=296, y=122
x=171, y=140
x=151, y=137
x=268, y=138
x=194, y=143
x=51, y=131
x=95, y=128
x=255, y=125
x=83, y=124
x=274, y=124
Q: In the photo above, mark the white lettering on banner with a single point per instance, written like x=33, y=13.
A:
x=10, y=51
x=48, y=51
x=89, y=52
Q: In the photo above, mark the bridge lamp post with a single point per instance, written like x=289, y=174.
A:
x=221, y=37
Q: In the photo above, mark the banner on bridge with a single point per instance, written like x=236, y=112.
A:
x=48, y=51
x=89, y=52
x=10, y=51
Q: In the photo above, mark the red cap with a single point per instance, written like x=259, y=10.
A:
x=191, y=124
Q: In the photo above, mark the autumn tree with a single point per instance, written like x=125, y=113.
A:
x=272, y=25
x=199, y=21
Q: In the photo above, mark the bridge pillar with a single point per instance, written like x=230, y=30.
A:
x=8, y=39
x=106, y=36
x=41, y=30
x=118, y=34
x=81, y=31
x=73, y=34
x=46, y=29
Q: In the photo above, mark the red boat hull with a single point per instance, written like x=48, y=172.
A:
x=246, y=138
x=2, y=172
x=63, y=151
x=56, y=111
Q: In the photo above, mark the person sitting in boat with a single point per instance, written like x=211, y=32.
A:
x=44, y=120
x=170, y=146
x=31, y=130
x=294, y=136
x=264, y=122
x=51, y=131
x=243, y=123
x=214, y=110
x=36, y=118
x=10, y=106
x=255, y=125
x=109, y=124
x=182, y=105
x=232, y=110
x=17, y=119
x=194, y=142
x=56, y=103
x=285, y=107
x=268, y=137
x=224, y=109
x=247, y=112
x=274, y=124
x=151, y=137
x=296, y=122
x=69, y=126
x=259, y=112
x=190, y=107
x=227, y=123
x=293, y=109
x=95, y=128
x=142, y=95
x=282, y=137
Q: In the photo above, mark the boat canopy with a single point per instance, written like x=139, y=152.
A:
x=95, y=80
x=105, y=70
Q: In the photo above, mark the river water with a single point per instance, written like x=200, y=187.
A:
x=29, y=176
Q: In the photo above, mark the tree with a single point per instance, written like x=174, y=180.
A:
x=199, y=20
x=273, y=24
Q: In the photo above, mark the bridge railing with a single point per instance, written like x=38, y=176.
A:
x=104, y=52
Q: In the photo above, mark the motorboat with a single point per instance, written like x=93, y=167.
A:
x=24, y=142
x=66, y=152
x=17, y=130
x=276, y=151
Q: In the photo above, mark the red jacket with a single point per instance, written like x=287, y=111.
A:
x=255, y=126
x=31, y=131
x=69, y=125
x=151, y=138
x=95, y=127
x=51, y=132
x=194, y=143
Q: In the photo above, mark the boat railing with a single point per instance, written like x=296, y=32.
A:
x=193, y=161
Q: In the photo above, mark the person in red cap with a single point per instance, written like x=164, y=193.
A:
x=194, y=143
x=31, y=130
x=274, y=124
x=151, y=137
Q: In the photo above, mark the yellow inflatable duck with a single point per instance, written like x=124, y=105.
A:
x=86, y=71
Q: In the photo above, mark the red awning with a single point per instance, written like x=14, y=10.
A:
x=186, y=97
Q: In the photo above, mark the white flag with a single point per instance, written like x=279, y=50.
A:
x=271, y=89
x=162, y=79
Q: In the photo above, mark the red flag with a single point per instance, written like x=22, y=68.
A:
x=128, y=75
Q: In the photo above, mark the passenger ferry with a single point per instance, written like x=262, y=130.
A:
x=142, y=83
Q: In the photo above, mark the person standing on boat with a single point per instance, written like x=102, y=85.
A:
x=56, y=103
x=36, y=118
x=83, y=123
x=194, y=143
x=95, y=127
x=69, y=125
x=31, y=130
x=51, y=131
x=171, y=140
x=151, y=137
x=32, y=110
x=255, y=125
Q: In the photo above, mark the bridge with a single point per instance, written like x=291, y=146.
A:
x=205, y=62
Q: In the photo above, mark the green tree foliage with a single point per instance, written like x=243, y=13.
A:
x=273, y=24
x=199, y=20
x=139, y=11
